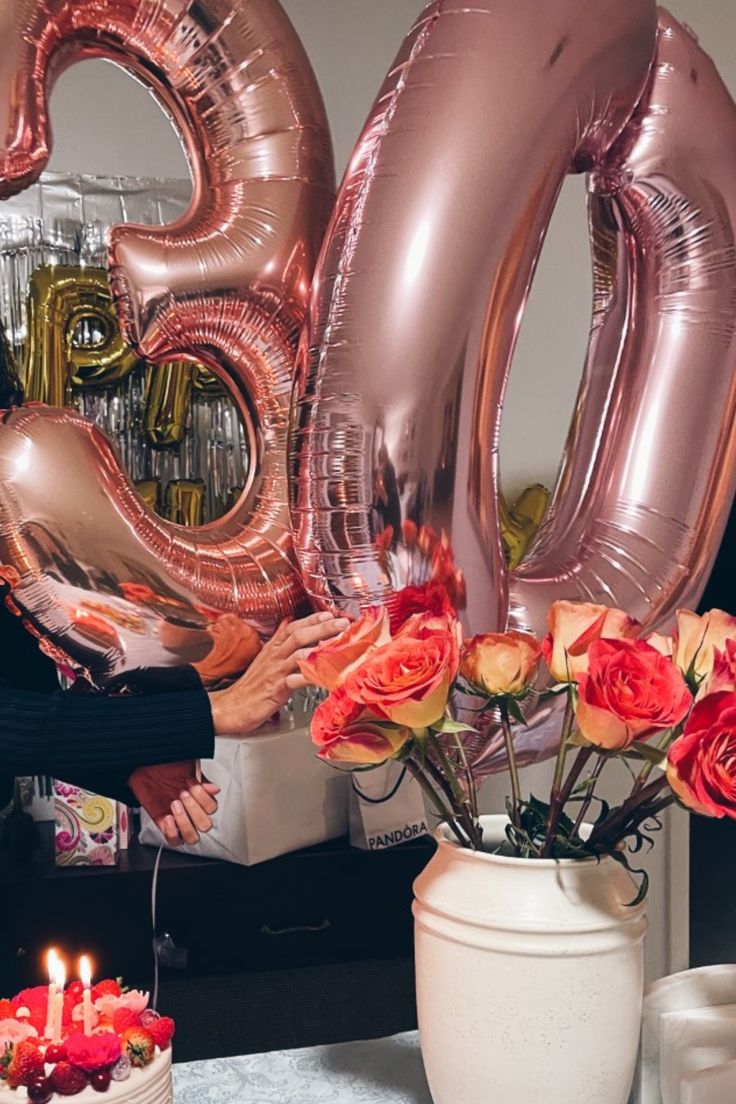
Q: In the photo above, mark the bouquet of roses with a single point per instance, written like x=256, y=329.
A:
x=666, y=706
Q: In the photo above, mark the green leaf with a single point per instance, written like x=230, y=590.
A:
x=448, y=725
x=649, y=754
x=621, y=858
x=515, y=711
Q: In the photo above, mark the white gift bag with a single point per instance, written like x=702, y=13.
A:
x=386, y=808
x=276, y=796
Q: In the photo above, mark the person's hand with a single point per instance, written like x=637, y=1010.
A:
x=176, y=800
x=273, y=676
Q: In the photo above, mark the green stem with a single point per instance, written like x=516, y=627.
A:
x=585, y=806
x=513, y=765
x=453, y=792
x=446, y=815
x=662, y=744
x=556, y=804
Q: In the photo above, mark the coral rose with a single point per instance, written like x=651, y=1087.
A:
x=500, y=664
x=331, y=717
x=573, y=626
x=723, y=676
x=93, y=1052
x=329, y=664
x=701, y=765
x=698, y=638
x=366, y=743
x=408, y=680
x=630, y=690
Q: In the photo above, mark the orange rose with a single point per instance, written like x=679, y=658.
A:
x=235, y=645
x=723, y=676
x=329, y=664
x=665, y=645
x=701, y=765
x=573, y=626
x=345, y=733
x=499, y=664
x=409, y=679
x=630, y=691
x=697, y=640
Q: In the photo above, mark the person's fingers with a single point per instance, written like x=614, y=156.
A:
x=195, y=811
x=167, y=827
x=210, y=787
x=187, y=831
x=202, y=798
x=304, y=636
x=296, y=682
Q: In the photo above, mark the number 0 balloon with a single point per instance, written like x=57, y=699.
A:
x=108, y=584
x=420, y=289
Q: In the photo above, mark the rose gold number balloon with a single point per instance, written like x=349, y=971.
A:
x=420, y=290
x=105, y=581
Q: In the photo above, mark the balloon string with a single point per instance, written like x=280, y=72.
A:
x=154, y=940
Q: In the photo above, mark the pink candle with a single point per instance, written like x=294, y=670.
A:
x=60, y=982
x=85, y=973
x=52, y=960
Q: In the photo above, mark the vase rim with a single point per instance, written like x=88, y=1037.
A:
x=499, y=821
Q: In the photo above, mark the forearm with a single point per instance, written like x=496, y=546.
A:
x=67, y=734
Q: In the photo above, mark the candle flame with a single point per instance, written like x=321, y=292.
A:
x=85, y=971
x=52, y=961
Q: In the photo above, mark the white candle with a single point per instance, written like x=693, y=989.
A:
x=85, y=973
x=59, y=1002
x=51, y=961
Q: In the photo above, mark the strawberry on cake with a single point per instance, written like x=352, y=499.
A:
x=126, y=1057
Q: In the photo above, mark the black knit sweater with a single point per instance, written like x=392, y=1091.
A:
x=88, y=739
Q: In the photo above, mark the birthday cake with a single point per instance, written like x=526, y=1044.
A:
x=105, y=1043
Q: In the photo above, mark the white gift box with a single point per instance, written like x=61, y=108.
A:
x=276, y=796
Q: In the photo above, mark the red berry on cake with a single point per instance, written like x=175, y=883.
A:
x=100, y=1080
x=26, y=1064
x=55, y=1052
x=123, y=1018
x=7, y=1012
x=162, y=1030
x=106, y=987
x=67, y=1080
x=75, y=991
x=148, y=1016
x=40, y=1091
x=138, y=1044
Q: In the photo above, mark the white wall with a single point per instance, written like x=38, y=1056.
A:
x=105, y=124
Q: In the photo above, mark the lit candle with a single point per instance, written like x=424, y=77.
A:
x=52, y=960
x=85, y=973
x=59, y=1002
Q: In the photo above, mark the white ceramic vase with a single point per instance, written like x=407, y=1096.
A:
x=530, y=977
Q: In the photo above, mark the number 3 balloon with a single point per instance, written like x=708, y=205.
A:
x=111, y=587
x=420, y=289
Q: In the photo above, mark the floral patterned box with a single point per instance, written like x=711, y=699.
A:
x=89, y=830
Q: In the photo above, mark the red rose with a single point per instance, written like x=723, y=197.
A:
x=93, y=1052
x=409, y=679
x=430, y=597
x=630, y=691
x=701, y=767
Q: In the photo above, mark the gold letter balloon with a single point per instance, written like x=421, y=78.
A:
x=111, y=588
x=419, y=293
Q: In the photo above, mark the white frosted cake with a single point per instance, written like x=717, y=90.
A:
x=105, y=1044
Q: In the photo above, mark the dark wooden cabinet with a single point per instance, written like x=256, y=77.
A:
x=310, y=947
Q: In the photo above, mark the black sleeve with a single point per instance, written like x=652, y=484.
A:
x=70, y=735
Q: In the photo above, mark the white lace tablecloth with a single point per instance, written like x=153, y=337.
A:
x=385, y=1071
